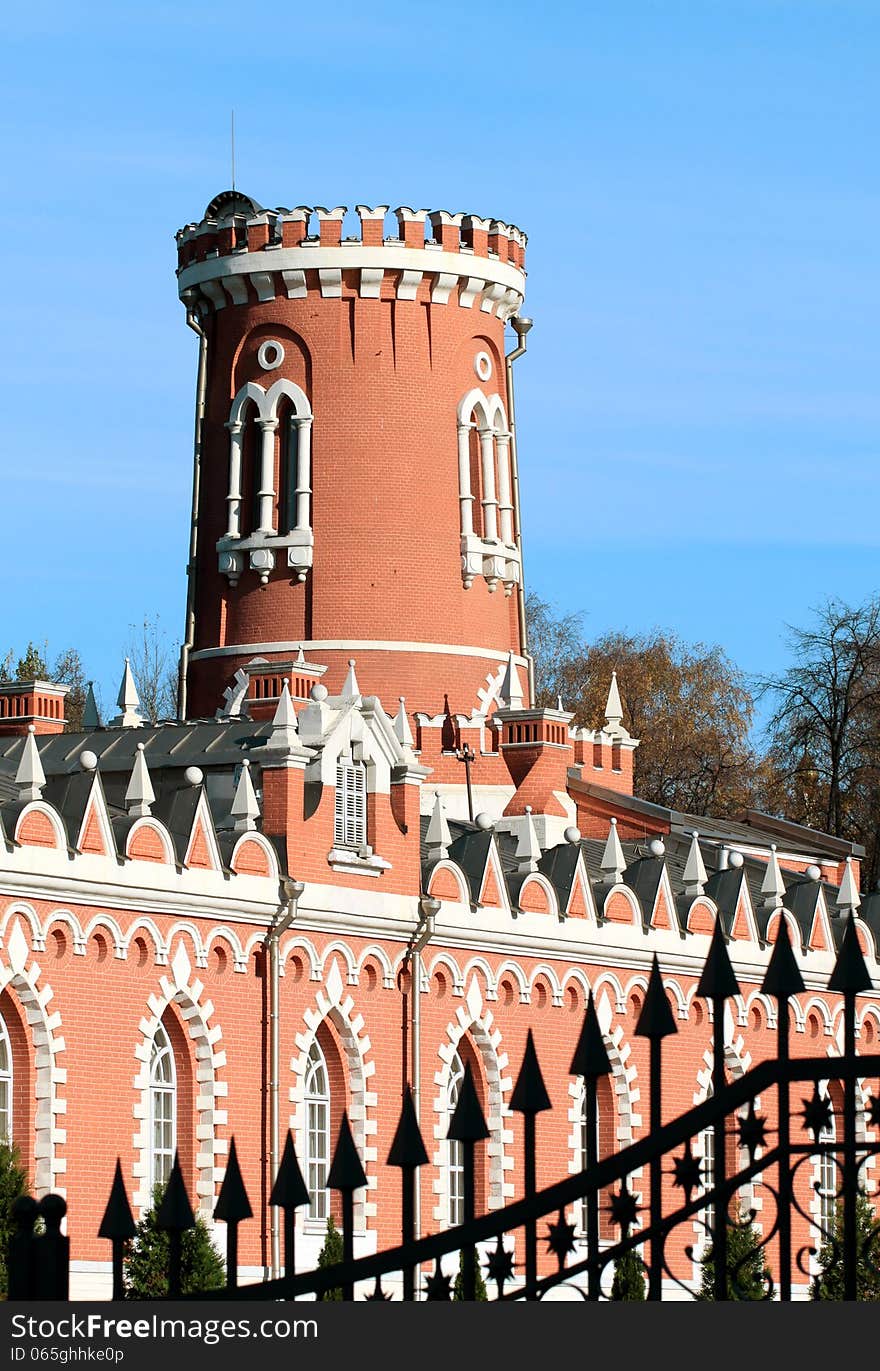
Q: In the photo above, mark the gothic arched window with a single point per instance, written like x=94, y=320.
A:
x=5, y=1084
x=163, y=1108
x=317, y=1149
x=455, y=1149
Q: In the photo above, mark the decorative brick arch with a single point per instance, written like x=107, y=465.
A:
x=185, y=991
x=43, y=1027
x=625, y=1097
x=474, y=1020
x=333, y=1002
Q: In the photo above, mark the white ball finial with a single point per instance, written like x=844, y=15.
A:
x=735, y=860
x=572, y=835
x=657, y=847
x=88, y=760
x=194, y=775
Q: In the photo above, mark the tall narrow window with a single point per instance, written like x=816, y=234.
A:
x=5, y=1085
x=828, y=1182
x=455, y=1154
x=708, y=1141
x=288, y=460
x=317, y=1094
x=163, y=1108
x=584, y=1139
x=350, y=829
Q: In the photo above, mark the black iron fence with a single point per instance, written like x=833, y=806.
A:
x=680, y=1195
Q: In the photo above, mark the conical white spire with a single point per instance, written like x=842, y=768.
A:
x=140, y=793
x=848, y=895
x=285, y=733
x=614, y=708
x=300, y=657
x=438, y=836
x=528, y=849
x=613, y=861
x=128, y=701
x=91, y=718
x=773, y=886
x=694, y=874
x=511, y=690
x=30, y=776
x=401, y=725
x=350, y=686
x=245, y=810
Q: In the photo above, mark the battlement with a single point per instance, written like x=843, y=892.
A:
x=241, y=253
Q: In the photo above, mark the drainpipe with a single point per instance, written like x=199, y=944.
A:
x=194, y=323
x=428, y=908
x=290, y=894
x=520, y=326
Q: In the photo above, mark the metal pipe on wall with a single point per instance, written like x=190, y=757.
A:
x=291, y=892
x=194, y=323
x=521, y=327
x=428, y=908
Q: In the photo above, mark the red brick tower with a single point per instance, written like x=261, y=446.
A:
x=355, y=486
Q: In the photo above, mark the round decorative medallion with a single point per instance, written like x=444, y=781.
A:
x=483, y=365
x=270, y=355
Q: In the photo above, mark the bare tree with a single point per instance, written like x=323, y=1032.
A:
x=153, y=667
x=554, y=641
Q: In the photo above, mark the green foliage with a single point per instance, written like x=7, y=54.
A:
x=331, y=1254
x=479, y=1284
x=146, y=1265
x=828, y=1282
x=13, y=1182
x=629, y=1278
x=748, y=1276
x=67, y=669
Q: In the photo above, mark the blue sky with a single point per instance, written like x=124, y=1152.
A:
x=698, y=412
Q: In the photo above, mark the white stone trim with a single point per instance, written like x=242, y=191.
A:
x=355, y=645
x=44, y=1028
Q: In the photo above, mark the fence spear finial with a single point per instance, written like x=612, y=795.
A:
x=850, y=974
x=346, y=1171
x=590, y=1058
x=175, y=1211
x=783, y=978
x=467, y=1123
x=117, y=1222
x=290, y=1190
x=655, y=1020
x=530, y=1093
x=718, y=981
x=408, y=1147
x=233, y=1204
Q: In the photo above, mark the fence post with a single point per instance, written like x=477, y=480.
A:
x=717, y=984
x=346, y=1175
x=408, y=1152
x=656, y=1023
x=175, y=1215
x=232, y=1207
x=782, y=980
x=530, y=1098
x=21, y=1253
x=52, y=1252
x=118, y=1227
x=289, y=1193
x=468, y=1127
x=850, y=975
x=591, y=1061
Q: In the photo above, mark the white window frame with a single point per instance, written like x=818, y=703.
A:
x=162, y=1108
x=707, y=1147
x=350, y=808
x=5, y=1083
x=454, y=1149
x=317, y=1132
x=827, y=1181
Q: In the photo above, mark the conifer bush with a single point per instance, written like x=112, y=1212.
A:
x=13, y=1183
x=828, y=1281
x=331, y=1254
x=146, y=1264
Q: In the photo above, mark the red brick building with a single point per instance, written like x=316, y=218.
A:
x=303, y=839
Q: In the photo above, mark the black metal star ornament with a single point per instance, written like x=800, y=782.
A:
x=438, y=1286
x=623, y=1208
x=560, y=1238
x=687, y=1172
x=816, y=1113
x=378, y=1293
x=500, y=1265
x=874, y=1112
x=752, y=1131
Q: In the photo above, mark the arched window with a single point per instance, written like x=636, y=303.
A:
x=5, y=1084
x=489, y=545
x=707, y=1141
x=317, y=1097
x=605, y=1132
x=350, y=826
x=455, y=1150
x=163, y=1108
x=828, y=1181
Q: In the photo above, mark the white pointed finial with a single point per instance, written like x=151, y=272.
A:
x=848, y=895
x=528, y=849
x=285, y=733
x=613, y=862
x=401, y=725
x=30, y=776
x=614, y=708
x=773, y=886
x=350, y=687
x=128, y=701
x=694, y=873
x=511, y=690
x=140, y=793
x=438, y=836
x=300, y=657
x=245, y=810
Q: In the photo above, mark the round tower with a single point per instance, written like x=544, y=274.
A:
x=355, y=491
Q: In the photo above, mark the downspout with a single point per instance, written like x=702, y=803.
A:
x=428, y=908
x=520, y=326
x=194, y=323
x=290, y=894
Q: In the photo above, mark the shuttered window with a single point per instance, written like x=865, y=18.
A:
x=351, y=803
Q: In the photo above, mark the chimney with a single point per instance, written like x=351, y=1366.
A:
x=23, y=703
